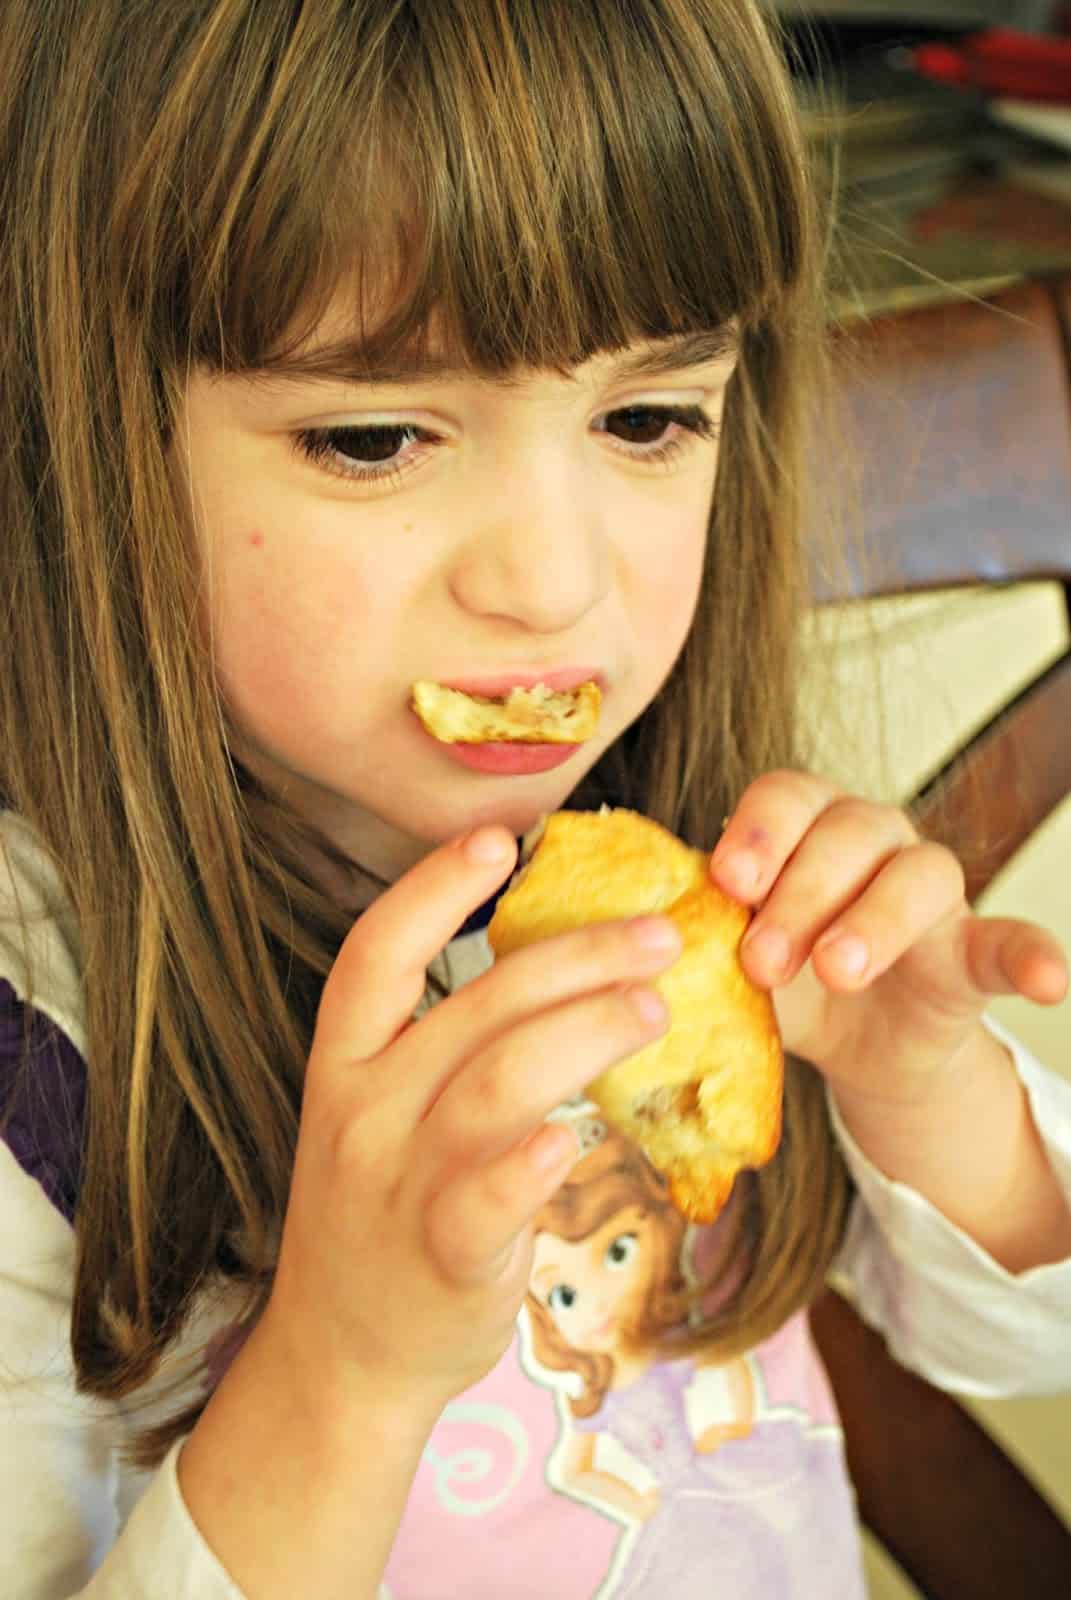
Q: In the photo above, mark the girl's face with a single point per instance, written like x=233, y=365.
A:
x=595, y=1288
x=360, y=536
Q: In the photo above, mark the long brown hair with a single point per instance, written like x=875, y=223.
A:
x=185, y=183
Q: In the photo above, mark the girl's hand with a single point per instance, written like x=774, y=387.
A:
x=423, y=1153
x=879, y=969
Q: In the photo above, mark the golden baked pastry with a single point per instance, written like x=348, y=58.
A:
x=524, y=716
x=704, y=1100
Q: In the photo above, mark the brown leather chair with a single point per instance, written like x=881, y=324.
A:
x=963, y=414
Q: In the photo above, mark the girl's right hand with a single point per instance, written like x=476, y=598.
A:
x=423, y=1153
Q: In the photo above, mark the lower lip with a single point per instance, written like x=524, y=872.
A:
x=510, y=760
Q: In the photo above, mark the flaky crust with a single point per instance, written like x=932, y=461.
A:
x=523, y=716
x=704, y=1100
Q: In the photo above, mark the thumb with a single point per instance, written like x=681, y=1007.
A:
x=1007, y=956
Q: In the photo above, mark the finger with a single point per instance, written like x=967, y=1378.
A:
x=379, y=974
x=1007, y=956
x=474, y=1224
x=533, y=980
x=848, y=849
x=772, y=817
x=504, y=1093
x=916, y=890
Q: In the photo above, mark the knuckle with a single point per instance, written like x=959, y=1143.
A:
x=803, y=787
x=593, y=944
x=489, y=1084
x=449, y=1235
x=867, y=825
x=496, y=1189
x=607, y=946
x=359, y=970
x=856, y=812
x=598, y=937
x=444, y=1233
x=945, y=868
x=356, y=1139
x=622, y=1019
x=896, y=823
x=852, y=810
x=603, y=953
x=354, y=965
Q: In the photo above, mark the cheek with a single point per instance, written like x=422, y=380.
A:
x=283, y=625
x=628, y=1282
x=262, y=611
x=570, y=1323
x=667, y=576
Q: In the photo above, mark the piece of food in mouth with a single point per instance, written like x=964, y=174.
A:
x=522, y=716
x=704, y=1100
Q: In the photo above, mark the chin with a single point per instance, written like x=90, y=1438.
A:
x=519, y=812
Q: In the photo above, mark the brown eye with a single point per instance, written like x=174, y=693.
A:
x=656, y=433
x=639, y=424
x=373, y=452
x=372, y=446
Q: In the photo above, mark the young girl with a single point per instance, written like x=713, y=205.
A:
x=347, y=345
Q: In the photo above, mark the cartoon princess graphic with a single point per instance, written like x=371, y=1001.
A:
x=715, y=1490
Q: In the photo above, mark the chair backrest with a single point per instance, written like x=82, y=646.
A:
x=963, y=415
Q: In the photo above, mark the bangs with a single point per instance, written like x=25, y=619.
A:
x=518, y=185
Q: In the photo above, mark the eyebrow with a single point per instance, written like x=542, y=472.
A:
x=342, y=363
x=544, y=1280
x=687, y=350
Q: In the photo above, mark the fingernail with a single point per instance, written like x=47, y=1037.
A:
x=486, y=848
x=770, y=949
x=740, y=870
x=650, y=1006
x=848, y=954
x=655, y=933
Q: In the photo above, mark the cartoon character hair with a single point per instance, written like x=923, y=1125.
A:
x=185, y=187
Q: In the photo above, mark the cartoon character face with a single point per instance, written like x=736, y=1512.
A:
x=594, y=1288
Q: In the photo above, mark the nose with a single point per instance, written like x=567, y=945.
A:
x=538, y=556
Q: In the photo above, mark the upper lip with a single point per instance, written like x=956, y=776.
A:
x=499, y=683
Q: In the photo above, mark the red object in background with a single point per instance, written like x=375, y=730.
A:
x=1001, y=61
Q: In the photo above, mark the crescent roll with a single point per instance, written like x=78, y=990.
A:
x=523, y=716
x=704, y=1100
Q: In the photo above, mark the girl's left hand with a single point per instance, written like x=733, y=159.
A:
x=880, y=971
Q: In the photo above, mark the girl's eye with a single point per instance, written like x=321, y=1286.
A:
x=621, y=1251
x=378, y=452
x=368, y=451
x=562, y=1297
x=656, y=433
